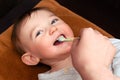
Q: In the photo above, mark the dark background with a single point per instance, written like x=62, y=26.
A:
x=104, y=13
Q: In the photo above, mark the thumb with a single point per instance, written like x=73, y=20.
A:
x=75, y=43
x=74, y=46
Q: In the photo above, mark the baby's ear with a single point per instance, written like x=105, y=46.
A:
x=29, y=59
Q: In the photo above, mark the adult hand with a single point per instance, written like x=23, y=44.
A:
x=93, y=50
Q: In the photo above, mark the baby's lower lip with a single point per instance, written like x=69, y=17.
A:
x=57, y=43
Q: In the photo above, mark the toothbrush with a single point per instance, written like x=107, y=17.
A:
x=68, y=39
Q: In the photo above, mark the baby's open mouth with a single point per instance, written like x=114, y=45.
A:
x=58, y=41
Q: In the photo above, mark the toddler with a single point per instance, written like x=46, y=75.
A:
x=37, y=36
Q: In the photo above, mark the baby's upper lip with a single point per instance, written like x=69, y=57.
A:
x=61, y=35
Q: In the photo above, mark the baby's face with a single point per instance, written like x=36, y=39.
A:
x=39, y=35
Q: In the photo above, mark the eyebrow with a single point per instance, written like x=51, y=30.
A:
x=31, y=32
x=52, y=15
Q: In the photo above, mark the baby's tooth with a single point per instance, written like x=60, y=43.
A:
x=61, y=38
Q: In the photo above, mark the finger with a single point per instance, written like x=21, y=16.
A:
x=100, y=34
x=96, y=31
x=106, y=37
x=75, y=42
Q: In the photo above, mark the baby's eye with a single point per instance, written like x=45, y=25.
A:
x=39, y=33
x=54, y=21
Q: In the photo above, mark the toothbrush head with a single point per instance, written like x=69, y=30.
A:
x=62, y=39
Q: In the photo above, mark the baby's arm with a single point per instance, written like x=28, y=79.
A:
x=92, y=56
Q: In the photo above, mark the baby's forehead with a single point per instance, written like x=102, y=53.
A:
x=42, y=12
x=37, y=14
x=37, y=17
x=41, y=16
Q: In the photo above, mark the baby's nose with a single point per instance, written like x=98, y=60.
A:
x=52, y=30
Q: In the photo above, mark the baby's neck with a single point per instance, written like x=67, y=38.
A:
x=67, y=63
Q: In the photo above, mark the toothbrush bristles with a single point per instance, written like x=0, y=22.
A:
x=68, y=39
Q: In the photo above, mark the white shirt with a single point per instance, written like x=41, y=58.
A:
x=72, y=74
x=64, y=74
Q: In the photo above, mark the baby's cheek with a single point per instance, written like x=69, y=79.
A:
x=69, y=47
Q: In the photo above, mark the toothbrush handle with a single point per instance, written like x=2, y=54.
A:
x=76, y=38
x=71, y=39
